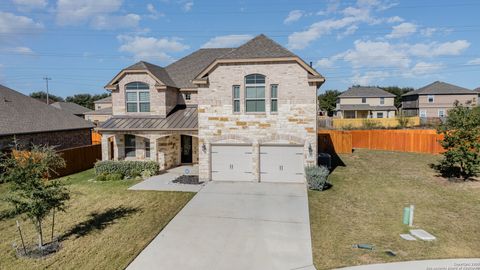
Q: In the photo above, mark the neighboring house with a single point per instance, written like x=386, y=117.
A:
x=72, y=108
x=102, y=112
x=29, y=121
x=435, y=99
x=478, y=91
x=246, y=113
x=366, y=102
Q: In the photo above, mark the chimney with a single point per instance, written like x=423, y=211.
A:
x=311, y=64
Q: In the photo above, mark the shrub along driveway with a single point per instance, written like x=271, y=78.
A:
x=235, y=225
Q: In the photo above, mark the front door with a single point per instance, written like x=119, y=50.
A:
x=186, y=154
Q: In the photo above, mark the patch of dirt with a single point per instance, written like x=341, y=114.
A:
x=188, y=179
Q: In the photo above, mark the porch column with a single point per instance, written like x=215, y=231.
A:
x=105, y=147
x=154, y=147
x=355, y=114
x=119, y=147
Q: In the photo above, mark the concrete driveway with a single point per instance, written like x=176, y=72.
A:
x=236, y=225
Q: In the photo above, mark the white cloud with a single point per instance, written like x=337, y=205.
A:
x=429, y=31
x=227, y=41
x=27, y=5
x=349, y=31
x=22, y=50
x=108, y=22
x=293, y=16
x=11, y=23
x=395, y=19
x=324, y=63
x=332, y=7
x=436, y=49
x=150, y=48
x=375, y=54
x=74, y=12
x=475, y=61
x=187, y=6
x=370, y=77
x=403, y=30
x=154, y=13
x=424, y=68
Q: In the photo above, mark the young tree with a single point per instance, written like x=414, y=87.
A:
x=328, y=101
x=461, y=130
x=31, y=193
x=42, y=96
x=86, y=100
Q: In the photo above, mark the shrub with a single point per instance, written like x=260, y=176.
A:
x=114, y=177
x=101, y=177
x=317, y=177
x=403, y=121
x=147, y=174
x=128, y=169
x=370, y=124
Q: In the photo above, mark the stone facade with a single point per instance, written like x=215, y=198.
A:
x=61, y=139
x=294, y=123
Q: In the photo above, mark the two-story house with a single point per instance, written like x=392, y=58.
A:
x=102, y=112
x=435, y=99
x=365, y=102
x=244, y=114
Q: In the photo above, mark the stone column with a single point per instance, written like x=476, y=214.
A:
x=119, y=151
x=154, y=147
x=105, y=147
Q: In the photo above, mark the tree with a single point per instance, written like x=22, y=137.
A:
x=42, y=96
x=461, y=131
x=31, y=193
x=328, y=101
x=86, y=100
x=398, y=92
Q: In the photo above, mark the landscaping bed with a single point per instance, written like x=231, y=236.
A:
x=365, y=204
x=105, y=225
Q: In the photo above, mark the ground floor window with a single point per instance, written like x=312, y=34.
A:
x=349, y=114
x=379, y=114
x=423, y=113
x=441, y=113
x=147, y=148
x=130, y=145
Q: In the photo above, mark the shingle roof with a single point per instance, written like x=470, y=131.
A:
x=184, y=70
x=103, y=111
x=181, y=118
x=477, y=89
x=157, y=71
x=181, y=73
x=104, y=100
x=22, y=114
x=362, y=91
x=258, y=47
x=440, y=88
x=70, y=107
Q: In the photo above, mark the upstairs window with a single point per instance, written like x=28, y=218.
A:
x=431, y=99
x=255, y=93
x=274, y=98
x=382, y=101
x=188, y=96
x=137, y=97
x=364, y=100
x=236, y=98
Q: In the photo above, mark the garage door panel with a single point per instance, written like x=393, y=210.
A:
x=281, y=164
x=232, y=163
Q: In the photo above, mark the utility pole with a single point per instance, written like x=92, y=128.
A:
x=46, y=78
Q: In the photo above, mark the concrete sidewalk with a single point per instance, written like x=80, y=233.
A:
x=236, y=225
x=450, y=264
x=163, y=182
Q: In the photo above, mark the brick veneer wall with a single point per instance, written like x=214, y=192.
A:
x=61, y=139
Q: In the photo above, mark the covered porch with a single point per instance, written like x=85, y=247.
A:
x=169, y=150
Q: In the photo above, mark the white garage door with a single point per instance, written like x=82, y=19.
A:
x=281, y=164
x=232, y=163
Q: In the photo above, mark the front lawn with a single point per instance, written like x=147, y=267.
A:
x=105, y=225
x=365, y=206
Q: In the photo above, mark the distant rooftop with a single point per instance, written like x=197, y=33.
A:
x=365, y=91
x=70, y=107
x=440, y=88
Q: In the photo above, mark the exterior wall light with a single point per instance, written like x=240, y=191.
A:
x=204, y=148
x=310, y=149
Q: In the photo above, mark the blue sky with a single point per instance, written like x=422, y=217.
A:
x=82, y=44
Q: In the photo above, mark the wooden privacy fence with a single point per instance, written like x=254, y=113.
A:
x=80, y=158
x=418, y=141
x=380, y=122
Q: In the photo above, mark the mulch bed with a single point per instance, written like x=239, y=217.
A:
x=188, y=179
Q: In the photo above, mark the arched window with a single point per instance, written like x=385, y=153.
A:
x=137, y=96
x=255, y=93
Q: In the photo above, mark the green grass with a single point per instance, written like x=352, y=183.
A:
x=365, y=206
x=105, y=225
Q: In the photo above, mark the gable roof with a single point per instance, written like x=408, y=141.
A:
x=70, y=107
x=365, y=91
x=259, y=47
x=23, y=114
x=182, y=73
x=440, y=88
x=477, y=89
x=104, y=100
x=102, y=111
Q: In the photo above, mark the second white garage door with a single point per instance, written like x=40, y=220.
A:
x=281, y=164
x=232, y=163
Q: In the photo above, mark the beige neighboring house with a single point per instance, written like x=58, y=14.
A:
x=70, y=107
x=102, y=112
x=365, y=102
x=435, y=99
x=244, y=114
